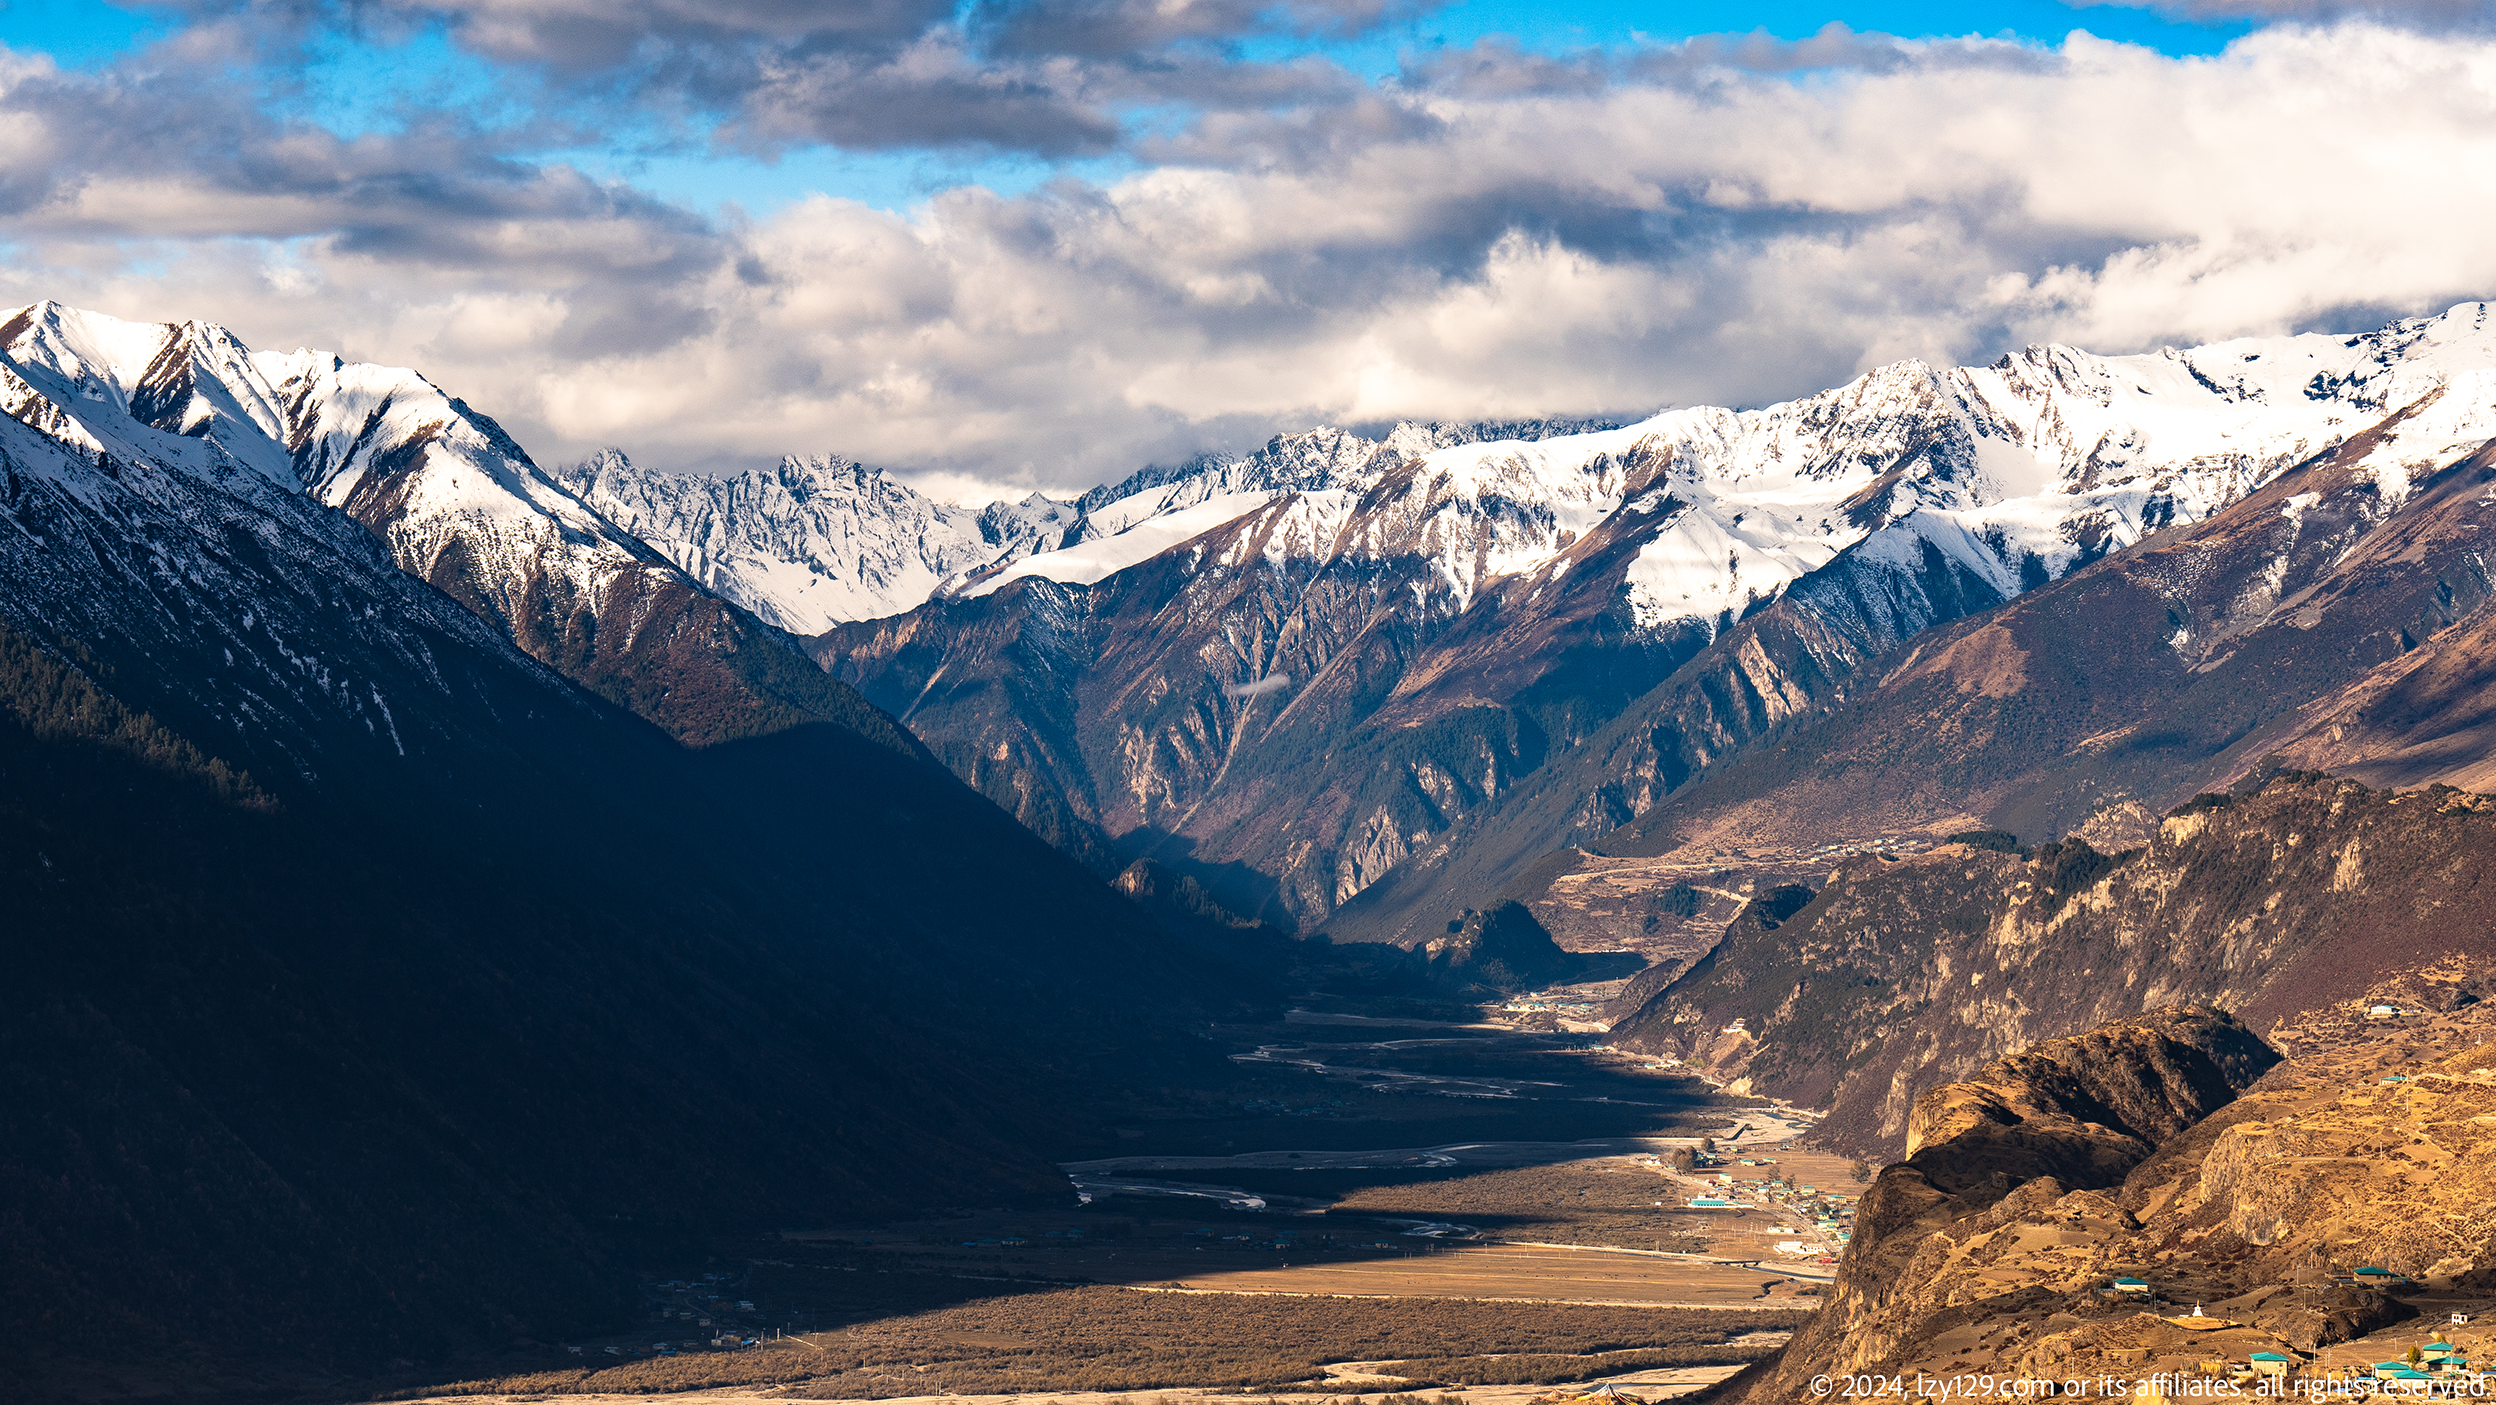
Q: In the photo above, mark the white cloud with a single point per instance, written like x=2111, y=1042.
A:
x=1510, y=244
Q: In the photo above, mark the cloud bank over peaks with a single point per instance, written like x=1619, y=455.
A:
x=1496, y=233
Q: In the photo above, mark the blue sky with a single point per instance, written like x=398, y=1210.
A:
x=357, y=85
x=79, y=32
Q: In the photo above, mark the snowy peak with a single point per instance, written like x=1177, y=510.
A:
x=104, y=388
x=83, y=356
x=2044, y=460
x=383, y=453
x=191, y=380
x=250, y=612
x=383, y=442
x=813, y=542
x=1326, y=472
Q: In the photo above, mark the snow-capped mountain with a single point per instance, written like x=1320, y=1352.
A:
x=149, y=513
x=455, y=500
x=1131, y=521
x=1306, y=664
x=814, y=542
x=431, y=476
x=1312, y=671
x=2044, y=458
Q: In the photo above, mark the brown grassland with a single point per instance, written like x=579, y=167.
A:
x=1612, y=1201
x=1102, y=1339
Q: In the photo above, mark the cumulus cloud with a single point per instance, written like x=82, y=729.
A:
x=1493, y=237
x=1048, y=78
x=2423, y=14
x=1116, y=29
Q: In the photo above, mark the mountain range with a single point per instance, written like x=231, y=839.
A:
x=493, y=876
x=2333, y=619
x=1459, y=649
x=1460, y=653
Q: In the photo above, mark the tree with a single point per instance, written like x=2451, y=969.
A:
x=1860, y=1171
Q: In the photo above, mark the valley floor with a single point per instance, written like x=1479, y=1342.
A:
x=1649, y=1385
x=1250, y=1248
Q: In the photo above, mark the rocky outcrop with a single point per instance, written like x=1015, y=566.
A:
x=1502, y=948
x=1901, y=974
x=2069, y=1116
x=2235, y=1194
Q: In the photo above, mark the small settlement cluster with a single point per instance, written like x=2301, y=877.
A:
x=2434, y=1362
x=1751, y=1183
x=703, y=1305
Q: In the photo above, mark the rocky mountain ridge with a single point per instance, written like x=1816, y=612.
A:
x=457, y=503
x=1900, y=974
x=2334, y=619
x=819, y=541
x=1410, y=639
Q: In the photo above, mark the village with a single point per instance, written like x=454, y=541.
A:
x=2175, y=1354
x=1821, y=1221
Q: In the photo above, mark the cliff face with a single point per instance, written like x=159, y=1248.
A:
x=1775, y=669
x=2077, y=1114
x=1899, y=975
x=2181, y=1152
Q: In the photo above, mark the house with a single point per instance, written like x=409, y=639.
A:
x=2383, y=1012
x=2270, y=1363
x=2372, y=1277
x=2135, y=1286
